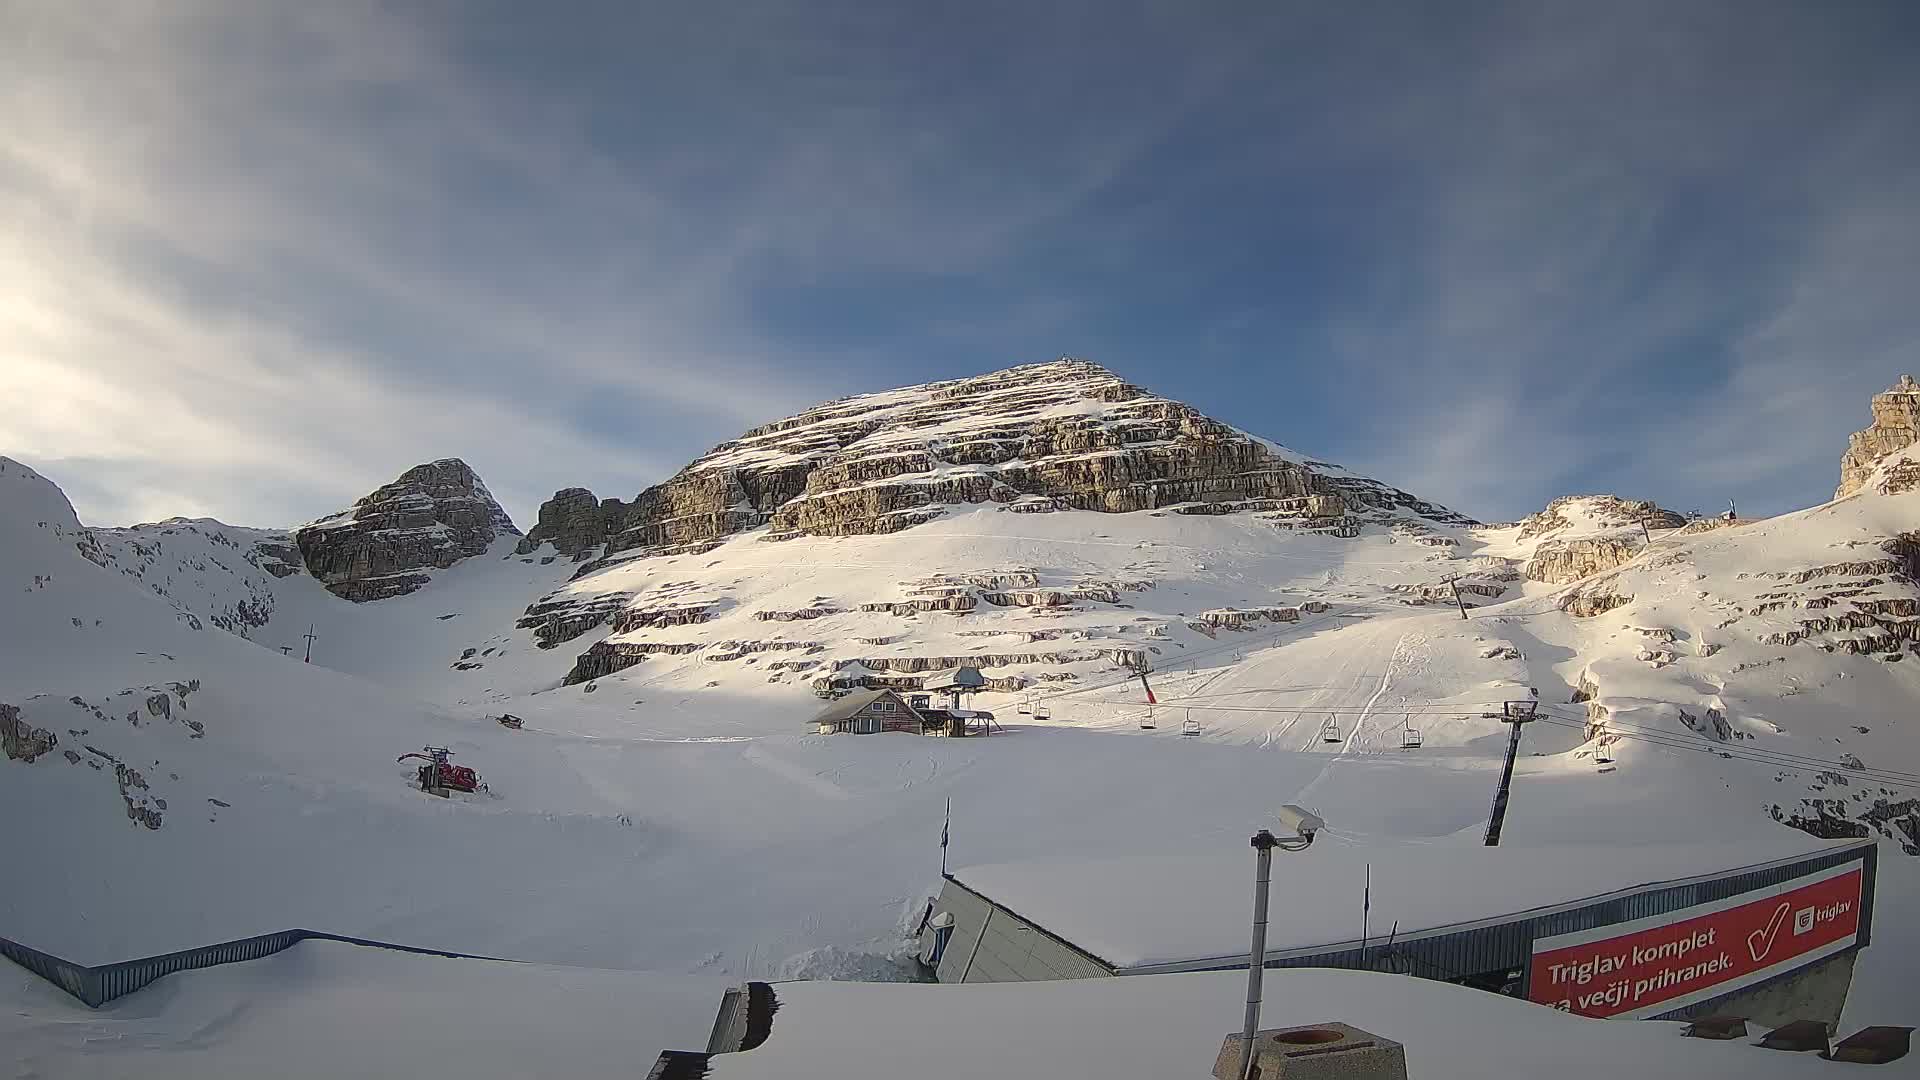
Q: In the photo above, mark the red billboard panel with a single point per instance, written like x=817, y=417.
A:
x=1665, y=962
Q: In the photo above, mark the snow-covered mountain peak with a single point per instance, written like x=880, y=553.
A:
x=429, y=518
x=35, y=515
x=32, y=498
x=1039, y=438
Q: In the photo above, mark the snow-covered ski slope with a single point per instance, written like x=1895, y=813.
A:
x=639, y=837
x=676, y=815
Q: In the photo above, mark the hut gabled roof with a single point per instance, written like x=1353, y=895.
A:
x=844, y=708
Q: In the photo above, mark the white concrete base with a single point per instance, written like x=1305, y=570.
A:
x=1330, y=1051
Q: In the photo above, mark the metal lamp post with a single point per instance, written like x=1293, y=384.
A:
x=1305, y=824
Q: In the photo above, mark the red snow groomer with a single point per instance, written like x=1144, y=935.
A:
x=439, y=776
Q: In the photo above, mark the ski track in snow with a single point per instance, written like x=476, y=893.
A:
x=1385, y=683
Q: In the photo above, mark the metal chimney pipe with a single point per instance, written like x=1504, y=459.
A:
x=1263, y=845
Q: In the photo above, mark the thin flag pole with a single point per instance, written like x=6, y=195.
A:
x=946, y=826
x=1366, y=909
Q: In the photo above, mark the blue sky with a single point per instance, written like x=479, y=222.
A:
x=257, y=258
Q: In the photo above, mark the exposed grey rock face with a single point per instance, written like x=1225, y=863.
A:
x=1588, y=534
x=1595, y=600
x=1561, y=562
x=1066, y=435
x=433, y=516
x=1043, y=438
x=1895, y=426
x=1900, y=477
x=1880, y=598
x=20, y=740
x=571, y=521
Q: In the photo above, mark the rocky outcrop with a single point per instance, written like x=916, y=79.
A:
x=1067, y=435
x=20, y=740
x=572, y=521
x=1244, y=618
x=1596, y=514
x=1714, y=524
x=654, y=618
x=1594, y=598
x=1443, y=592
x=1895, y=426
x=1899, y=477
x=141, y=806
x=907, y=672
x=280, y=559
x=1877, y=596
x=1884, y=634
x=796, y=614
x=957, y=601
x=563, y=617
x=433, y=516
x=1561, y=562
x=1312, y=509
x=1052, y=597
x=606, y=657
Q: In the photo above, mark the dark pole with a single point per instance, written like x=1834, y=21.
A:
x=1263, y=845
x=1366, y=909
x=309, y=636
x=1643, y=530
x=1455, y=582
x=1517, y=719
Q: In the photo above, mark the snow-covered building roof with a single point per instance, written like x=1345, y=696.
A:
x=1170, y=1027
x=847, y=707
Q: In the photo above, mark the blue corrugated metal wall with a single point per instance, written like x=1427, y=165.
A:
x=98, y=985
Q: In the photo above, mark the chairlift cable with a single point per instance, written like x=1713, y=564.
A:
x=1692, y=741
x=1753, y=755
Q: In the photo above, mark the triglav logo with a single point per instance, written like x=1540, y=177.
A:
x=1802, y=921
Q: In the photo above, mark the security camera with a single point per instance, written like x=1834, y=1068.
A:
x=1300, y=821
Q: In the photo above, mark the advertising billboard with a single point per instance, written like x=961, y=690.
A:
x=1664, y=962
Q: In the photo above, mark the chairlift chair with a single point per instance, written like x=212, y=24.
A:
x=1603, y=758
x=1025, y=707
x=1146, y=722
x=1330, y=731
x=1041, y=712
x=1190, y=726
x=1409, y=735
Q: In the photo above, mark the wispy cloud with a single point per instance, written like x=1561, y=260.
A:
x=259, y=242
x=1652, y=250
x=255, y=259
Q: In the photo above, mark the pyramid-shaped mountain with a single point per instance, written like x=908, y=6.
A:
x=1065, y=435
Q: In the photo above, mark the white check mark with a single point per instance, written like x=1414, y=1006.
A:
x=1760, y=942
